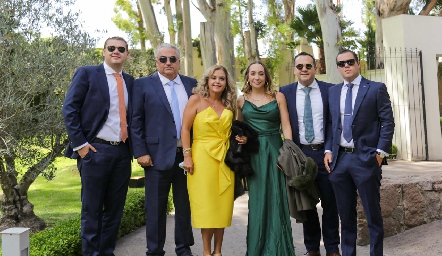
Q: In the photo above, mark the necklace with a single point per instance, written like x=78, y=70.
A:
x=257, y=99
x=214, y=103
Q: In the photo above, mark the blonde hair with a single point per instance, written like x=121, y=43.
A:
x=268, y=86
x=228, y=96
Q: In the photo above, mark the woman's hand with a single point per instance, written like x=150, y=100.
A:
x=188, y=164
x=241, y=139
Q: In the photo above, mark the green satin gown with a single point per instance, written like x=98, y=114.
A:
x=269, y=231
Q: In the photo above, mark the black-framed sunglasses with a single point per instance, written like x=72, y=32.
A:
x=301, y=66
x=163, y=59
x=350, y=62
x=112, y=49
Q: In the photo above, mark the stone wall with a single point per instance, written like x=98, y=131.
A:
x=406, y=202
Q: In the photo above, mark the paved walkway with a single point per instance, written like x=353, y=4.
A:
x=422, y=240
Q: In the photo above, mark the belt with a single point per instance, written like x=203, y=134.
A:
x=347, y=150
x=179, y=149
x=313, y=146
x=113, y=143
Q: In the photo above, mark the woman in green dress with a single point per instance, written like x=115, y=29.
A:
x=269, y=231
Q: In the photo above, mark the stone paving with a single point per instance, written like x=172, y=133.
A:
x=422, y=240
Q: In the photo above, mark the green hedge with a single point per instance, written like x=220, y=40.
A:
x=64, y=238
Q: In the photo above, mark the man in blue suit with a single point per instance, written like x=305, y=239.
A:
x=95, y=112
x=308, y=130
x=158, y=105
x=359, y=137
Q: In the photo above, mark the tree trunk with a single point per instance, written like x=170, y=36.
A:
x=253, y=35
x=289, y=15
x=170, y=24
x=428, y=7
x=385, y=9
x=322, y=65
x=219, y=12
x=188, y=46
x=16, y=208
x=331, y=35
x=179, y=23
x=248, y=47
x=208, y=46
x=152, y=31
x=141, y=29
x=224, y=38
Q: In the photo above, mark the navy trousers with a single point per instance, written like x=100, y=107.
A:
x=350, y=175
x=157, y=187
x=105, y=178
x=330, y=218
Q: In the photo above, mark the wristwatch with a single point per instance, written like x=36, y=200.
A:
x=381, y=154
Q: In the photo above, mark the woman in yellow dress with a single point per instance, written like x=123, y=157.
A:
x=210, y=112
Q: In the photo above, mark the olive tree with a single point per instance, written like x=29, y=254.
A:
x=34, y=75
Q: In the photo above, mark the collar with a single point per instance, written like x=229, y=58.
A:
x=356, y=81
x=165, y=80
x=110, y=71
x=314, y=85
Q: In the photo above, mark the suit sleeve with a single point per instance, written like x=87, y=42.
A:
x=137, y=119
x=72, y=107
x=386, y=120
x=328, y=126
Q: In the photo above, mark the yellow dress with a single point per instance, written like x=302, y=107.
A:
x=211, y=185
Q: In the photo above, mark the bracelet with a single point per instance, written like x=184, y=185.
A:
x=186, y=151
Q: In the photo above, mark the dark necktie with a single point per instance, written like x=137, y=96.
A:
x=121, y=107
x=175, y=109
x=348, y=114
x=308, y=117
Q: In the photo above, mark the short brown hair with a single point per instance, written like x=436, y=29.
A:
x=116, y=38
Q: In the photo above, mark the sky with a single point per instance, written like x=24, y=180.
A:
x=96, y=15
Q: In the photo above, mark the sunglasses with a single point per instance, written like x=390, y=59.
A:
x=163, y=59
x=112, y=49
x=350, y=62
x=301, y=66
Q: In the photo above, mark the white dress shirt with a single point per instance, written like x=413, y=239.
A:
x=180, y=92
x=111, y=128
x=317, y=113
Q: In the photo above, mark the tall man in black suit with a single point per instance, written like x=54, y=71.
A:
x=158, y=105
x=307, y=102
x=95, y=113
x=359, y=137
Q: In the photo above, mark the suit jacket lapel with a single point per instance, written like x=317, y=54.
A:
x=159, y=89
x=104, y=87
x=363, y=88
x=188, y=86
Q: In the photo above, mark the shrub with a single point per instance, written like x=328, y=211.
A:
x=64, y=238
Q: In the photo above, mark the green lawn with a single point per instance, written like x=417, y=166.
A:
x=59, y=199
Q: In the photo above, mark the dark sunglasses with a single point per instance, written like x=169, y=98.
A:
x=163, y=59
x=112, y=49
x=350, y=62
x=301, y=66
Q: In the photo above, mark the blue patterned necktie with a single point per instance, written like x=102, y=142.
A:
x=308, y=117
x=175, y=109
x=348, y=114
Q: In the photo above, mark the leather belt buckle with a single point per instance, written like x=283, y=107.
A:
x=114, y=143
x=347, y=150
x=313, y=146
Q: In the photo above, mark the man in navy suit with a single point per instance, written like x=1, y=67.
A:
x=359, y=137
x=310, y=137
x=95, y=113
x=158, y=105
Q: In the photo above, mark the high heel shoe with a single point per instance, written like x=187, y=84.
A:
x=217, y=254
